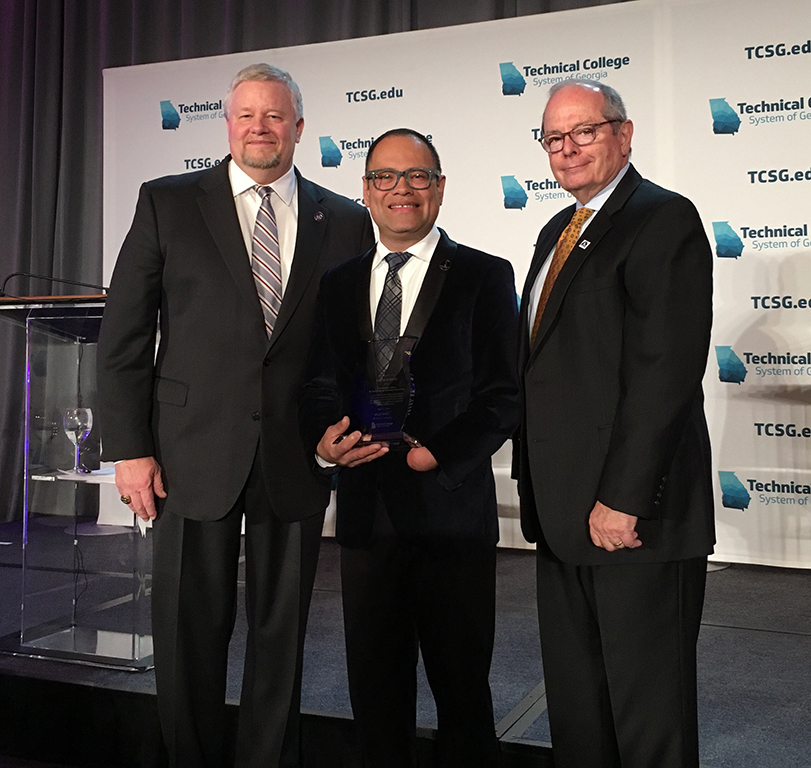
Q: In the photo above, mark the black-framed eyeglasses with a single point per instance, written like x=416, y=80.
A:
x=583, y=135
x=386, y=179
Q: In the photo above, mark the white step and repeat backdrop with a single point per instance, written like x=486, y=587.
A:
x=721, y=100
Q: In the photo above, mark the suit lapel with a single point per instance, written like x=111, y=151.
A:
x=365, y=322
x=363, y=308
x=438, y=268
x=312, y=227
x=546, y=239
x=583, y=248
x=220, y=215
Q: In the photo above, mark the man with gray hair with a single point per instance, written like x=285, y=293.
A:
x=226, y=263
x=613, y=456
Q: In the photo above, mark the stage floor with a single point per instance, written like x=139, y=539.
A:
x=754, y=662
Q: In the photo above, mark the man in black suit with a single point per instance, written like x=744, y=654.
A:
x=417, y=522
x=209, y=426
x=614, y=458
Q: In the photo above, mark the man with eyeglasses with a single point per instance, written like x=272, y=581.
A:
x=416, y=518
x=613, y=454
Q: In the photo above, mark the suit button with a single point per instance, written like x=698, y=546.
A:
x=266, y=362
x=256, y=416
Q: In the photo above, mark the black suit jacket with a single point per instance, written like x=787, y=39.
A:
x=218, y=386
x=465, y=403
x=612, y=384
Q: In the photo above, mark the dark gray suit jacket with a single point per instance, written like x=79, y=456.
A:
x=217, y=387
x=612, y=384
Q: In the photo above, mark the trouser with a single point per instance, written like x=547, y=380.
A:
x=194, y=594
x=619, y=657
x=401, y=597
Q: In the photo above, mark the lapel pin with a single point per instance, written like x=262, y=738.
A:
x=445, y=265
x=584, y=244
x=319, y=216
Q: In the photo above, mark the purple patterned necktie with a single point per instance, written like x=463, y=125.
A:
x=389, y=311
x=266, y=263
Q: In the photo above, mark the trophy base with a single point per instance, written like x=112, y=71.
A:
x=390, y=438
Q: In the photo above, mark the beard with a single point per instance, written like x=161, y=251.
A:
x=262, y=163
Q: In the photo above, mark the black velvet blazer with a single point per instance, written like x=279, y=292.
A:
x=465, y=406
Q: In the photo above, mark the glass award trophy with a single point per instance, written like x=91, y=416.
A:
x=380, y=405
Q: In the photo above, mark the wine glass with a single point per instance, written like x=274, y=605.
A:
x=77, y=423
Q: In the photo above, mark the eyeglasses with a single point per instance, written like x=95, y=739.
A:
x=386, y=179
x=583, y=135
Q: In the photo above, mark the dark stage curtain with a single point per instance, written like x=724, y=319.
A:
x=52, y=55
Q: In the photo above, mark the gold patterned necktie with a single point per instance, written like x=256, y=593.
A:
x=563, y=248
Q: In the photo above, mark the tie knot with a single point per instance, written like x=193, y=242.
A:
x=396, y=260
x=580, y=216
x=263, y=192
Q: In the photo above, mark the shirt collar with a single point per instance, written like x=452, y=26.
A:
x=422, y=250
x=284, y=186
x=598, y=201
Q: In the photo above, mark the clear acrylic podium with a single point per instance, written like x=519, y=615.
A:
x=85, y=577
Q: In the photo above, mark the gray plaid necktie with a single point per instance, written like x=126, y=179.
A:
x=389, y=310
x=266, y=263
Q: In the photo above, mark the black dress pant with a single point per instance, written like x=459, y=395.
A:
x=400, y=597
x=619, y=659
x=194, y=595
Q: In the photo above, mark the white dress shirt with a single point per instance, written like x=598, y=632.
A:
x=412, y=273
x=283, y=198
x=595, y=204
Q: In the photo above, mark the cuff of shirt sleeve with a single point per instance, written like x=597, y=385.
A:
x=323, y=463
